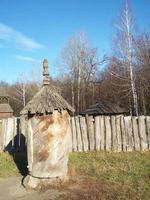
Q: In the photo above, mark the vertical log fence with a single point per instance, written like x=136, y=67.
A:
x=110, y=133
x=11, y=138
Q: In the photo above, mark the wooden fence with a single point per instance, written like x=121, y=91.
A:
x=10, y=135
x=110, y=133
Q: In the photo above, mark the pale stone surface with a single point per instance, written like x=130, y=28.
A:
x=48, y=148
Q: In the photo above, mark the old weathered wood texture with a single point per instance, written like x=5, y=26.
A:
x=116, y=133
x=84, y=133
x=102, y=133
x=142, y=131
x=148, y=129
x=111, y=133
x=108, y=133
x=90, y=124
x=97, y=133
x=74, y=134
x=78, y=128
x=10, y=135
x=48, y=143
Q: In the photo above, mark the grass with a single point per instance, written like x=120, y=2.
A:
x=97, y=175
x=12, y=165
x=112, y=175
x=7, y=165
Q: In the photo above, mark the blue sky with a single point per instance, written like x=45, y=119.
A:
x=31, y=30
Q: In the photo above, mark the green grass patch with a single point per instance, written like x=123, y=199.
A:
x=7, y=165
x=127, y=175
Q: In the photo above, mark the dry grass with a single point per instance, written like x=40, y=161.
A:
x=98, y=176
x=110, y=176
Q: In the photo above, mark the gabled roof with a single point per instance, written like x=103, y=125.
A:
x=104, y=108
x=5, y=108
x=3, y=92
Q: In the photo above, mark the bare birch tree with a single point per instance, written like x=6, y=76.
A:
x=81, y=61
x=125, y=52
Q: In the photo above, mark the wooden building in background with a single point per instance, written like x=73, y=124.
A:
x=5, y=109
x=104, y=108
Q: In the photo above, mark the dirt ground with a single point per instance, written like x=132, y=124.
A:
x=12, y=189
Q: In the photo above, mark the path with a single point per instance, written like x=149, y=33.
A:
x=11, y=189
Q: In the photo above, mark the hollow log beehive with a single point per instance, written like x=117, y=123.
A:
x=48, y=134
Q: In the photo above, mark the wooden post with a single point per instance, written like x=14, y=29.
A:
x=142, y=133
x=79, y=139
x=1, y=137
x=136, y=134
x=70, y=134
x=119, y=137
x=90, y=120
x=9, y=133
x=30, y=144
x=148, y=130
x=102, y=133
x=84, y=133
x=123, y=132
x=108, y=133
x=74, y=134
x=97, y=133
x=114, y=134
x=129, y=133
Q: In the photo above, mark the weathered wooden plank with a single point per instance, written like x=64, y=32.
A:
x=118, y=130
x=129, y=133
x=1, y=136
x=9, y=133
x=123, y=133
x=142, y=133
x=14, y=129
x=70, y=136
x=30, y=145
x=97, y=133
x=148, y=130
x=102, y=132
x=74, y=134
x=79, y=138
x=5, y=121
x=136, y=134
x=84, y=133
x=114, y=134
x=108, y=133
x=90, y=121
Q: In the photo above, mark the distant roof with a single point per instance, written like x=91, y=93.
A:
x=5, y=108
x=3, y=92
x=46, y=101
x=104, y=108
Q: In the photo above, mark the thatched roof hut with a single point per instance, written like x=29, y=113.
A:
x=47, y=99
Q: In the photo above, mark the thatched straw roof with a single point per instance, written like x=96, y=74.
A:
x=104, y=108
x=47, y=99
